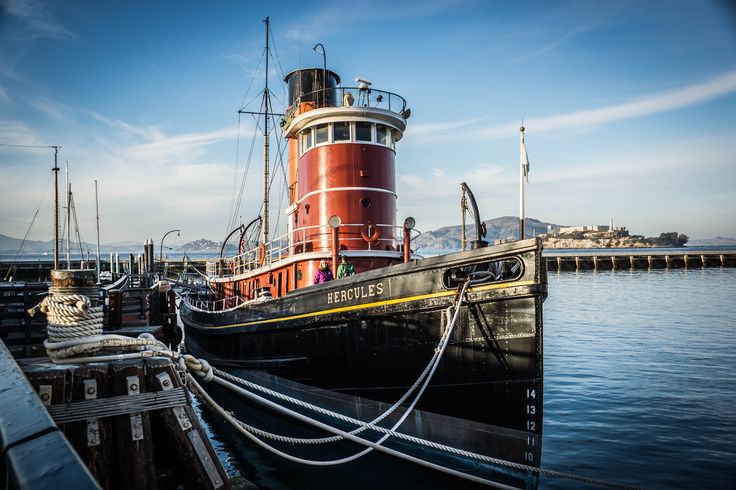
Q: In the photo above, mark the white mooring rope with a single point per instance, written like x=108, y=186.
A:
x=75, y=336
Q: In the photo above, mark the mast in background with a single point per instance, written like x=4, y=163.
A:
x=97, y=212
x=56, y=206
x=68, y=219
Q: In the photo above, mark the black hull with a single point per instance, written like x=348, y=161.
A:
x=359, y=343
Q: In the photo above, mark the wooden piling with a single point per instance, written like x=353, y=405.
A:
x=92, y=438
x=184, y=433
x=133, y=440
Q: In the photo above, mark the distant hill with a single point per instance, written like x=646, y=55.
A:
x=505, y=227
x=10, y=245
x=201, y=245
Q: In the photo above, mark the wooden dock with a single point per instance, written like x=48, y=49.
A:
x=649, y=258
x=119, y=425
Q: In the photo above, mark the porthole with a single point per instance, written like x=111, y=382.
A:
x=365, y=202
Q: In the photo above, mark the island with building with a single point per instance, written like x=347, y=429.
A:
x=607, y=236
x=555, y=236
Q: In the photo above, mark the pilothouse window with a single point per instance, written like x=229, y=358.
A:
x=341, y=131
x=321, y=134
x=381, y=134
x=306, y=139
x=363, y=131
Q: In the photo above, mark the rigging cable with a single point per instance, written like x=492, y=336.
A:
x=237, y=149
x=236, y=209
x=30, y=228
x=76, y=224
x=278, y=62
x=25, y=146
x=235, y=175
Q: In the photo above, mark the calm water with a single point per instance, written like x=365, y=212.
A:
x=640, y=385
x=640, y=377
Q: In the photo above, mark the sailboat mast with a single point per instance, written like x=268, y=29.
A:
x=266, y=98
x=56, y=207
x=97, y=212
x=68, y=219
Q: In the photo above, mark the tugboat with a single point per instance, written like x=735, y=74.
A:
x=358, y=343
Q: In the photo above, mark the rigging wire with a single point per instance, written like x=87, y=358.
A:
x=236, y=209
x=278, y=61
x=235, y=175
x=25, y=146
x=237, y=148
x=24, y=242
x=76, y=223
x=255, y=72
x=237, y=196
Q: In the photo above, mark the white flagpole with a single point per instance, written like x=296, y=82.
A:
x=521, y=182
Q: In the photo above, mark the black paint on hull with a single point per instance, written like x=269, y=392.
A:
x=365, y=339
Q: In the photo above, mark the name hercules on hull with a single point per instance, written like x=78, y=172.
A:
x=354, y=293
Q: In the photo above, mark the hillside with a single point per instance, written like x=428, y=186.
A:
x=505, y=227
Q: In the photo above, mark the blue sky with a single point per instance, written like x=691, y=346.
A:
x=629, y=108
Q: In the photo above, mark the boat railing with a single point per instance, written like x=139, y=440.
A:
x=215, y=305
x=345, y=97
x=316, y=238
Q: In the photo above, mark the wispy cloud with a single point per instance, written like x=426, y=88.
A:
x=567, y=34
x=173, y=145
x=654, y=104
x=130, y=130
x=334, y=17
x=4, y=97
x=37, y=22
x=18, y=133
x=52, y=109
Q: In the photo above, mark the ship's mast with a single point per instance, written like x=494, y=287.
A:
x=265, y=143
x=56, y=207
x=68, y=220
x=97, y=212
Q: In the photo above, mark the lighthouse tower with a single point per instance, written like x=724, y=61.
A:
x=342, y=171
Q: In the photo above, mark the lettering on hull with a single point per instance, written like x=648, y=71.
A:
x=355, y=293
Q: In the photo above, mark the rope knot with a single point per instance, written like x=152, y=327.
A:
x=200, y=366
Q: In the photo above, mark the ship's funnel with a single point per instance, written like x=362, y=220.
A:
x=307, y=84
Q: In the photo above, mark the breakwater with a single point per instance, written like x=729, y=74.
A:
x=611, y=259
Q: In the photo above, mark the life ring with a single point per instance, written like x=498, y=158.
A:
x=261, y=254
x=368, y=236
